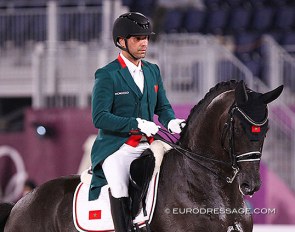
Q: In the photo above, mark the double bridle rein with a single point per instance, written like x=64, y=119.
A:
x=251, y=156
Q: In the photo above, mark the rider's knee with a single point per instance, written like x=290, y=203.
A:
x=120, y=190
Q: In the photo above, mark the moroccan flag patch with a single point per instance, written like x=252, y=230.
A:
x=255, y=129
x=156, y=87
x=94, y=214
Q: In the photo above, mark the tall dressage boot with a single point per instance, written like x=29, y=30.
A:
x=121, y=214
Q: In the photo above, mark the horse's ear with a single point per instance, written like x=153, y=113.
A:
x=241, y=93
x=272, y=95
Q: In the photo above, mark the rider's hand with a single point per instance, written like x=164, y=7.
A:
x=147, y=127
x=176, y=125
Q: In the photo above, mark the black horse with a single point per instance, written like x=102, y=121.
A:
x=202, y=180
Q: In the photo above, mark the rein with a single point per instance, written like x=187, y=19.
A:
x=189, y=154
x=228, y=128
x=192, y=155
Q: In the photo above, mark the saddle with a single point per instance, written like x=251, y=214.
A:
x=141, y=172
x=144, y=171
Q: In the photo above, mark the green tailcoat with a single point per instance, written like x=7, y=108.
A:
x=116, y=103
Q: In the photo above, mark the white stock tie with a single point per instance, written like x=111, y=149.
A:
x=138, y=78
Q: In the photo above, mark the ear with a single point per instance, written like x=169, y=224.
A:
x=241, y=93
x=272, y=95
x=121, y=41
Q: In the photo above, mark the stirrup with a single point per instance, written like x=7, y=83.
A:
x=147, y=227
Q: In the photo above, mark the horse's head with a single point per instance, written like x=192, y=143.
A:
x=228, y=127
x=247, y=126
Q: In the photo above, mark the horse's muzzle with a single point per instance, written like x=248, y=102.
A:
x=249, y=187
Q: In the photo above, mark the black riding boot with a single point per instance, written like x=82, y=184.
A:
x=120, y=208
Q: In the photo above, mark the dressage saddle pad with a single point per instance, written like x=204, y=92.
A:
x=95, y=216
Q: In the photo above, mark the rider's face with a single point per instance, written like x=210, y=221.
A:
x=137, y=46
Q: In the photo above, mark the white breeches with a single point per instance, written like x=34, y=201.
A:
x=116, y=168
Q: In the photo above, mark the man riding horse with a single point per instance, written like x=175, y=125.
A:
x=126, y=95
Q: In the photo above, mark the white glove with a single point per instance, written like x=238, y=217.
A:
x=147, y=127
x=176, y=125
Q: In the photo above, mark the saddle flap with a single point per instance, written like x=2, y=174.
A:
x=96, y=215
x=141, y=171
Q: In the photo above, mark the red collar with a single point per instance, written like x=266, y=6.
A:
x=121, y=61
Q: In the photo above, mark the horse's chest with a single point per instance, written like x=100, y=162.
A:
x=229, y=222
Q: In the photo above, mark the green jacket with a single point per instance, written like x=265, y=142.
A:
x=115, y=107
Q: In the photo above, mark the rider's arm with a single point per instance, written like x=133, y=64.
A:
x=102, y=102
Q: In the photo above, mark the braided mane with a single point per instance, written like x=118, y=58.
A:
x=213, y=92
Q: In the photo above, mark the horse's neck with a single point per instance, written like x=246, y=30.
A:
x=203, y=134
x=194, y=181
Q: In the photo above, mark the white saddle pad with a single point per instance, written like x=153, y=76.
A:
x=96, y=215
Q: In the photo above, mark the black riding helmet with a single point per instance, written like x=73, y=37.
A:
x=131, y=24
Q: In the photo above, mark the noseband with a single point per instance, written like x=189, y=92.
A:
x=228, y=128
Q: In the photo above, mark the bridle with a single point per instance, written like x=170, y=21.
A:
x=251, y=156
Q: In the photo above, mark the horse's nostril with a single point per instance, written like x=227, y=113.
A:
x=246, y=188
x=249, y=188
x=245, y=185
